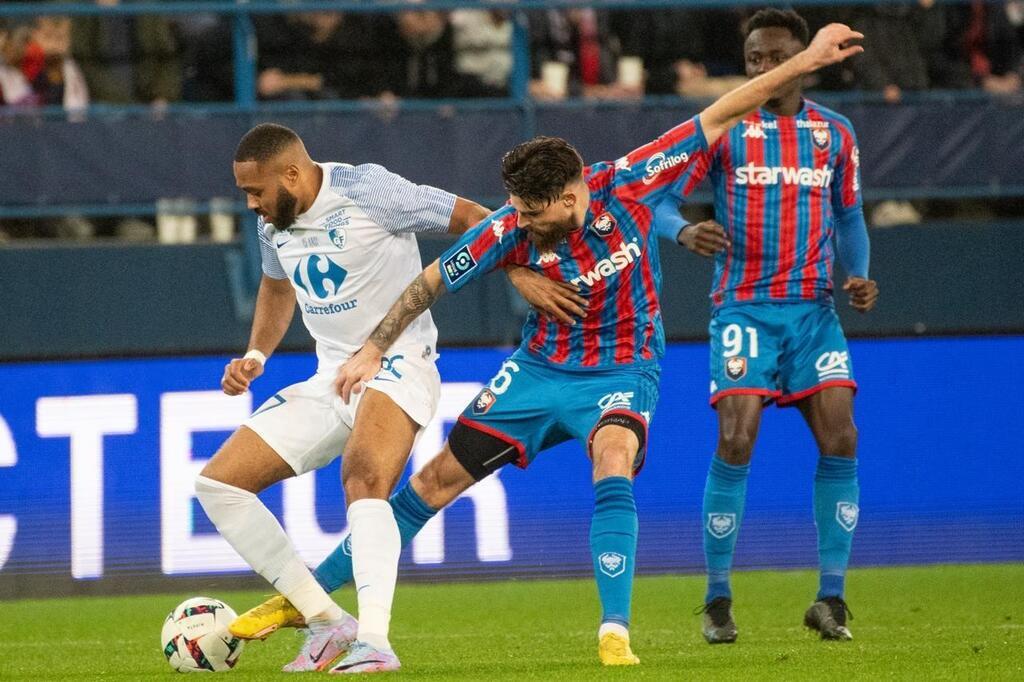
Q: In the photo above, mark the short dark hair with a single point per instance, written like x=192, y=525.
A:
x=537, y=170
x=779, y=18
x=264, y=142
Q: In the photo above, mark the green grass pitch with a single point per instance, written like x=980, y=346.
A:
x=927, y=623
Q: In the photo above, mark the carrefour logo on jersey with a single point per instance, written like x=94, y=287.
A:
x=774, y=175
x=319, y=277
x=660, y=162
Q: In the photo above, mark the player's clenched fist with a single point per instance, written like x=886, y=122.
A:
x=863, y=293
x=357, y=371
x=704, y=239
x=833, y=44
x=239, y=373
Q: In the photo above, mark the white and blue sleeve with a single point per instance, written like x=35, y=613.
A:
x=272, y=267
x=393, y=202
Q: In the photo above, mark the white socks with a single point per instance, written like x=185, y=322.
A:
x=613, y=627
x=376, y=546
x=252, y=530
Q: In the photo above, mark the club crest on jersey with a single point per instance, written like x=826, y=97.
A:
x=721, y=525
x=847, y=514
x=736, y=368
x=604, y=225
x=484, y=402
x=459, y=264
x=612, y=564
x=822, y=138
x=337, y=237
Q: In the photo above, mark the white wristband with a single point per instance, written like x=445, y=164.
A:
x=256, y=355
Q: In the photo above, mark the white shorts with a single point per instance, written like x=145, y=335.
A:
x=308, y=425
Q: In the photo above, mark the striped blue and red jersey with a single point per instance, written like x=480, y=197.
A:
x=780, y=184
x=613, y=258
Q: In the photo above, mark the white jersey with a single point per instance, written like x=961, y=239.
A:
x=352, y=254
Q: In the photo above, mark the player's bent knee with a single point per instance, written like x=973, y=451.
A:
x=480, y=453
x=442, y=480
x=617, y=445
x=840, y=441
x=735, y=447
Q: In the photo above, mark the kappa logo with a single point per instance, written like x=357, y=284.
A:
x=319, y=276
x=736, y=368
x=822, y=138
x=612, y=564
x=662, y=162
x=622, y=163
x=721, y=525
x=614, y=401
x=484, y=402
x=548, y=258
x=646, y=414
x=604, y=225
x=459, y=264
x=855, y=157
x=847, y=514
x=833, y=365
x=754, y=131
x=498, y=228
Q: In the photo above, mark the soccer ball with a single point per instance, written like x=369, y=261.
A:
x=195, y=636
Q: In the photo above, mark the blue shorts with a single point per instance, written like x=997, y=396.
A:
x=782, y=351
x=533, y=405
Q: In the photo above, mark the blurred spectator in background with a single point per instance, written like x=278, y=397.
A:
x=208, y=60
x=483, y=51
x=905, y=49
x=54, y=76
x=128, y=59
x=422, y=56
x=574, y=52
x=684, y=52
x=990, y=43
x=320, y=55
x=15, y=89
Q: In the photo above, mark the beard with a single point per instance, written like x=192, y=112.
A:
x=549, y=239
x=284, y=209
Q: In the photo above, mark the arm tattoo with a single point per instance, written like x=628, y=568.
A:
x=416, y=298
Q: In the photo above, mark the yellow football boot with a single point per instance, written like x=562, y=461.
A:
x=613, y=649
x=261, y=621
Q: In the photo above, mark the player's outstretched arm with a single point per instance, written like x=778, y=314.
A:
x=830, y=45
x=417, y=298
x=465, y=215
x=275, y=306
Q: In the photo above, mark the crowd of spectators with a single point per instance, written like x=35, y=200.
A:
x=148, y=59
x=154, y=60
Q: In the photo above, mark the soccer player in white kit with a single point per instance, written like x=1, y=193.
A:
x=338, y=239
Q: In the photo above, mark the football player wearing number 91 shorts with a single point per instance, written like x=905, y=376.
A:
x=786, y=183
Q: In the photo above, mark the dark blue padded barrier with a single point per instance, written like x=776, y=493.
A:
x=934, y=147
x=937, y=419
x=114, y=300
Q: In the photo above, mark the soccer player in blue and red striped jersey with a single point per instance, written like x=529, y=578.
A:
x=595, y=380
x=786, y=182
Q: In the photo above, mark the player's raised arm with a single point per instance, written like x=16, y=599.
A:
x=830, y=45
x=417, y=298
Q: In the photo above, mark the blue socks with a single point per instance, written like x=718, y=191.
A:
x=725, y=495
x=411, y=513
x=613, y=532
x=836, y=508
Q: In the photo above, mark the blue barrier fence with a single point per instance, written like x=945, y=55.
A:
x=97, y=458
